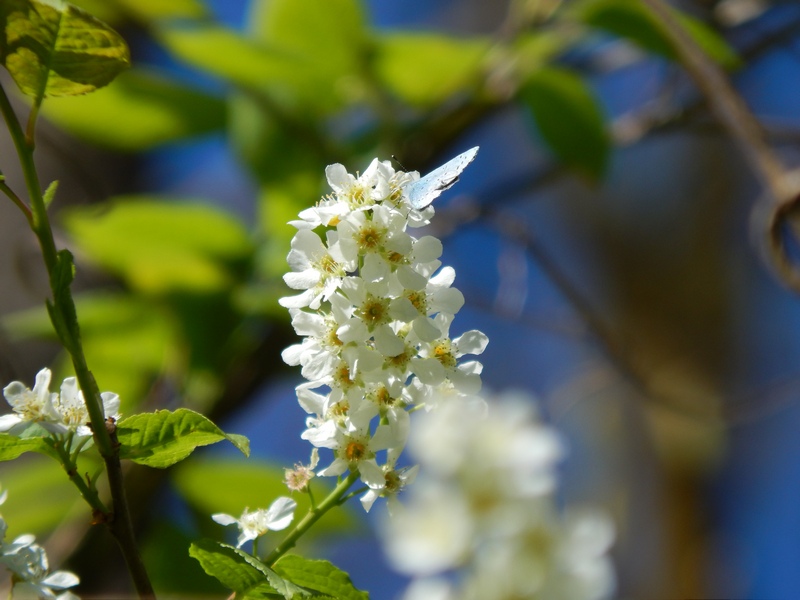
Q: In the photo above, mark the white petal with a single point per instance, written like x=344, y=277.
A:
x=224, y=519
x=472, y=342
x=387, y=342
x=281, y=513
x=61, y=579
x=426, y=329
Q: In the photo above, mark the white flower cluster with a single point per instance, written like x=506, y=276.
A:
x=30, y=572
x=375, y=309
x=57, y=413
x=483, y=512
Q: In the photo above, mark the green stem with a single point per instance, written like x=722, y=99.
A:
x=16, y=200
x=118, y=521
x=89, y=493
x=335, y=498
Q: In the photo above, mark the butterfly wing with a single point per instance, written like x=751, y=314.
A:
x=425, y=190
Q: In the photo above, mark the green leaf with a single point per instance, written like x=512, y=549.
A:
x=569, y=119
x=228, y=565
x=241, y=572
x=52, y=48
x=164, y=438
x=630, y=19
x=160, y=246
x=320, y=576
x=12, y=446
x=212, y=485
x=156, y=109
x=425, y=69
x=50, y=193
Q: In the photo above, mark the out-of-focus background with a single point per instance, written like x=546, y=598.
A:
x=604, y=238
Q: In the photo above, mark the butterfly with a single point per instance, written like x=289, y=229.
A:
x=425, y=190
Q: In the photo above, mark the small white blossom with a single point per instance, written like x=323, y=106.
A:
x=253, y=524
x=30, y=406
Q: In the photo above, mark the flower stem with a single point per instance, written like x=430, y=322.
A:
x=335, y=498
x=63, y=310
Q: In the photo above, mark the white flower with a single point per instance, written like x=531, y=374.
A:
x=31, y=571
x=316, y=268
x=71, y=408
x=253, y=524
x=30, y=406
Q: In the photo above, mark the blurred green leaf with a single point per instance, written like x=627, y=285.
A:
x=229, y=486
x=158, y=246
x=127, y=340
x=105, y=10
x=630, y=19
x=52, y=48
x=155, y=109
x=164, y=438
x=227, y=54
x=320, y=576
x=328, y=37
x=425, y=69
x=150, y=10
x=569, y=119
x=39, y=496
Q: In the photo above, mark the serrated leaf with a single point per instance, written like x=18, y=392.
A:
x=160, y=246
x=320, y=576
x=156, y=109
x=226, y=564
x=12, y=447
x=52, y=48
x=212, y=485
x=569, y=119
x=241, y=572
x=630, y=19
x=425, y=69
x=164, y=438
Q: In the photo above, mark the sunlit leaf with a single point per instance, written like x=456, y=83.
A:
x=241, y=572
x=424, y=69
x=52, y=48
x=320, y=576
x=569, y=119
x=631, y=19
x=155, y=110
x=12, y=446
x=164, y=438
x=158, y=245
